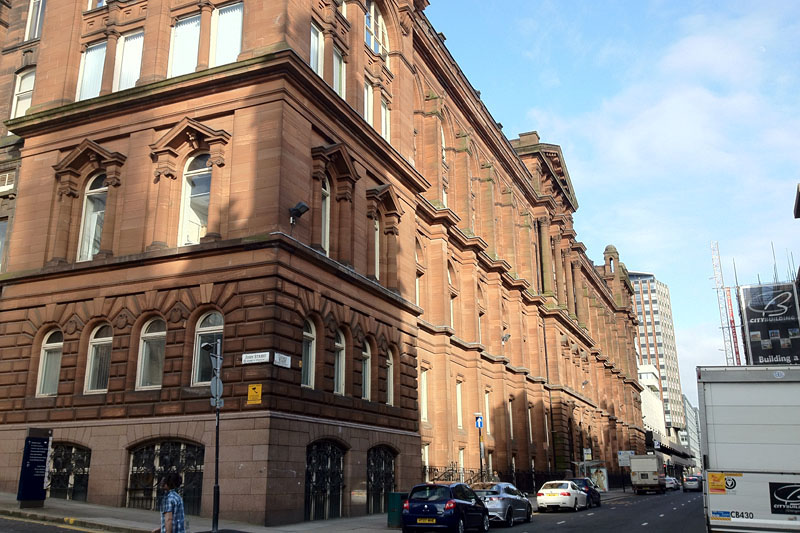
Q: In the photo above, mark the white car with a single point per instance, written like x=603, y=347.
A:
x=672, y=483
x=560, y=494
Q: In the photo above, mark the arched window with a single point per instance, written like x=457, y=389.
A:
x=208, y=331
x=390, y=378
x=195, y=198
x=99, y=363
x=94, y=210
x=380, y=478
x=151, y=354
x=326, y=216
x=339, y=363
x=366, y=360
x=149, y=462
x=50, y=364
x=376, y=36
x=69, y=471
x=309, y=353
x=324, y=480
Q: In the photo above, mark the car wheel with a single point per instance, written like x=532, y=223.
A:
x=575, y=505
x=529, y=513
x=509, y=517
x=485, y=525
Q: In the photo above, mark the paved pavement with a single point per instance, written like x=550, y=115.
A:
x=123, y=520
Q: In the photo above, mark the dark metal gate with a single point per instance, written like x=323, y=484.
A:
x=152, y=461
x=380, y=478
x=324, y=480
x=69, y=471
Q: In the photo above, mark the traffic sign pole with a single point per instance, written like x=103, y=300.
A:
x=479, y=425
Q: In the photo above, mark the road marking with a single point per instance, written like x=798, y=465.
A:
x=674, y=508
x=562, y=522
x=683, y=504
x=590, y=514
x=61, y=526
x=644, y=523
x=661, y=516
x=613, y=508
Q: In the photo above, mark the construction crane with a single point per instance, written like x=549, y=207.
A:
x=723, y=308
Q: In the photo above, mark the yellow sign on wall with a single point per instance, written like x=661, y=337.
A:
x=254, y=394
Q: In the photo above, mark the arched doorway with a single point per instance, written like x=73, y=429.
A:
x=324, y=480
x=69, y=471
x=151, y=461
x=380, y=478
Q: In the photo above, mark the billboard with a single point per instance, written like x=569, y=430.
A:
x=772, y=329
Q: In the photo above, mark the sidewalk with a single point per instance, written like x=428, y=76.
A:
x=124, y=520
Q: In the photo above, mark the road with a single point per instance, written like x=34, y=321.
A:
x=20, y=525
x=651, y=513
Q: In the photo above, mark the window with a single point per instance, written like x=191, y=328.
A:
x=416, y=288
x=50, y=364
x=339, y=363
x=185, y=44
x=317, y=57
x=385, y=120
x=326, y=216
x=309, y=353
x=151, y=354
x=368, y=102
x=208, y=331
x=94, y=209
x=486, y=409
x=3, y=231
x=444, y=195
x=480, y=326
x=459, y=414
x=226, y=25
x=128, y=62
x=444, y=145
x=377, y=245
x=423, y=395
x=390, y=379
x=366, y=360
x=461, y=466
x=425, y=459
x=339, y=74
x=511, y=418
x=196, y=195
x=376, y=36
x=23, y=93
x=530, y=424
x=35, y=18
x=91, y=75
x=99, y=359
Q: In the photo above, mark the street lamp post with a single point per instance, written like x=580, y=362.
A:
x=215, y=354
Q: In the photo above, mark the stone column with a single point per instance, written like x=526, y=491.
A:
x=560, y=284
x=67, y=195
x=164, y=183
x=107, y=82
x=204, y=47
x=216, y=161
x=112, y=183
x=547, y=256
x=570, y=287
x=580, y=304
x=327, y=61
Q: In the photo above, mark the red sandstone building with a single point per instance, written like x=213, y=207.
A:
x=155, y=151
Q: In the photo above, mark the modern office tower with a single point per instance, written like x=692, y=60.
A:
x=656, y=341
x=690, y=437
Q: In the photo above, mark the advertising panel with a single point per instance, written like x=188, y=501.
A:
x=770, y=316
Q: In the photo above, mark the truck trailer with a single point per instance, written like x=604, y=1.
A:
x=750, y=435
x=647, y=474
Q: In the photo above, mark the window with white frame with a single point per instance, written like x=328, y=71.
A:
x=375, y=35
x=390, y=378
x=3, y=232
x=325, y=216
x=23, y=93
x=339, y=362
x=486, y=418
x=195, y=198
x=91, y=73
x=309, y=354
x=94, y=210
x=461, y=464
x=459, y=414
x=511, y=418
x=50, y=364
x=530, y=424
x=366, y=374
x=377, y=247
x=317, y=57
x=128, y=63
x=426, y=459
x=99, y=362
x=35, y=18
x=444, y=195
x=208, y=331
x=423, y=395
x=226, y=29
x=152, y=345
x=184, y=47
x=444, y=145
x=368, y=102
x=385, y=120
x=339, y=72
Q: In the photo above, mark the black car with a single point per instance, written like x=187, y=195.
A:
x=591, y=490
x=440, y=506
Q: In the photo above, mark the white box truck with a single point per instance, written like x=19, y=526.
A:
x=647, y=474
x=750, y=435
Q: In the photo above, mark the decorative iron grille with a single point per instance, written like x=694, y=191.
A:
x=324, y=480
x=152, y=461
x=69, y=471
x=380, y=478
x=451, y=473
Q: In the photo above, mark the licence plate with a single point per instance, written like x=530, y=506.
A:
x=426, y=520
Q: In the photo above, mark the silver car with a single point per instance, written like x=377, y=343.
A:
x=505, y=502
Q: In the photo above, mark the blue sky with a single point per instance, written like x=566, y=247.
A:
x=679, y=123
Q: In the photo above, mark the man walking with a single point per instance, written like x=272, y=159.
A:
x=172, y=517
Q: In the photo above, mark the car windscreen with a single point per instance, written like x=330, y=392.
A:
x=580, y=482
x=483, y=493
x=483, y=486
x=555, y=486
x=430, y=493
